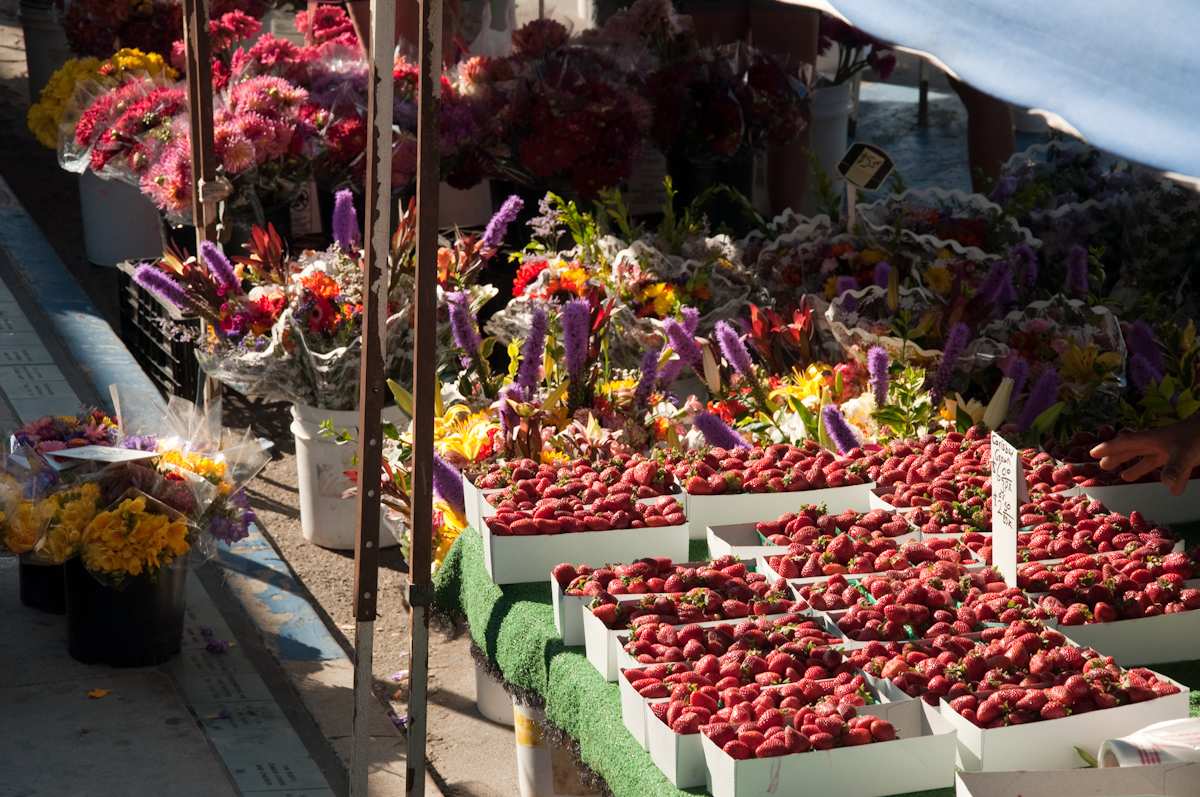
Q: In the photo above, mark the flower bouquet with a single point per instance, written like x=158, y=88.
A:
x=935, y=219
x=910, y=326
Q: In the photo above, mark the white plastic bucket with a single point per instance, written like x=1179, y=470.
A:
x=492, y=701
x=543, y=770
x=326, y=518
x=119, y=223
x=830, y=115
x=46, y=47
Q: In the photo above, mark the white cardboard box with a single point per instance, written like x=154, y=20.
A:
x=1142, y=641
x=738, y=539
x=721, y=510
x=634, y=708
x=679, y=756
x=1152, y=499
x=475, y=499
x=1050, y=744
x=1162, y=780
x=521, y=559
x=919, y=759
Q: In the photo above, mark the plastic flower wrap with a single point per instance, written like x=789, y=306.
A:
x=134, y=536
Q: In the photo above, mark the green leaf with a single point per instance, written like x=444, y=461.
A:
x=404, y=399
x=1087, y=757
x=1045, y=422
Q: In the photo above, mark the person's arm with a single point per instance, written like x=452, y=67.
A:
x=1175, y=449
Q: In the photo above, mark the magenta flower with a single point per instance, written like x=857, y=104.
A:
x=463, y=327
x=1140, y=339
x=1018, y=372
x=691, y=319
x=877, y=368
x=717, y=433
x=733, y=350
x=1142, y=373
x=648, y=377
x=507, y=415
x=447, y=483
x=1025, y=264
x=497, y=227
x=157, y=282
x=883, y=273
x=220, y=268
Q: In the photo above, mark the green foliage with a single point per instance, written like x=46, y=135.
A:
x=910, y=411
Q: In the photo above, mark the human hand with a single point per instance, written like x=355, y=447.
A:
x=1175, y=449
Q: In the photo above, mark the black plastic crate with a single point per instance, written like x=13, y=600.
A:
x=152, y=336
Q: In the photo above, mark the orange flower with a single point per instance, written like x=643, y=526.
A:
x=321, y=285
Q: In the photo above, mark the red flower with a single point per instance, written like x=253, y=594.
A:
x=527, y=273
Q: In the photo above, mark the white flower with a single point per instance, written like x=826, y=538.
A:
x=857, y=412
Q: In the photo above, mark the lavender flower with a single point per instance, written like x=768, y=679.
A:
x=717, y=433
x=1142, y=373
x=529, y=372
x=733, y=349
x=576, y=322
x=683, y=342
x=146, y=442
x=447, y=483
x=546, y=222
x=220, y=267
x=691, y=319
x=883, y=273
x=493, y=234
x=507, y=415
x=838, y=429
x=670, y=372
x=877, y=368
x=1025, y=264
x=1077, y=271
x=1006, y=186
x=997, y=288
x=463, y=327
x=649, y=375
x=153, y=279
x=1041, y=398
x=345, y=220
x=843, y=286
x=1018, y=372
x=956, y=341
x=1140, y=339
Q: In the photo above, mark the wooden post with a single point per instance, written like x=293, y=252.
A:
x=371, y=385
x=425, y=386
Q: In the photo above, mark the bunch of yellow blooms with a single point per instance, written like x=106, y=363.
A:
x=133, y=539
x=48, y=113
x=210, y=469
x=24, y=522
x=70, y=511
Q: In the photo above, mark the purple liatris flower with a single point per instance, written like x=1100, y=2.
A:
x=462, y=325
x=447, y=483
x=670, y=372
x=1041, y=398
x=838, y=429
x=683, y=342
x=533, y=350
x=576, y=322
x=162, y=285
x=717, y=433
x=997, y=288
x=956, y=341
x=877, y=368
x=733, y=349
x=648, y=377
x=883, y=273
x=1005, y=187
x=1025, y=264
x=507, y=415
x=497, y=228
x=221, y=269
x=1140, y=339
x=345, y=221
x=1142, y=373
x=691, y=319
x=842, y=287
x=1077, y=272
x=1018, y=372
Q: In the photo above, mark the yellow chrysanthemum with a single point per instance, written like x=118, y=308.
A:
x=132, y=539
x=208, y=468
x=465, y=433
x=662, y=297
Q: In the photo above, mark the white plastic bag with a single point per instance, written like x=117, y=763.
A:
x=1160, y=743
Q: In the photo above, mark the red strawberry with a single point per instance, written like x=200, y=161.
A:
x=721, y=733
x=564, y=574
x=736, y=750
x=775, y=746
x=882, y=731
x=687, y=723
x=856, y=736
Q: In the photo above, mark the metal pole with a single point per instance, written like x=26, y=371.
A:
x=206, y=192
x=376, y=248
x=425, y=386
x=922, y=93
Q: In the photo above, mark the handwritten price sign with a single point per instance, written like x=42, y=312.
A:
x=865, y=166
x=1008, y=493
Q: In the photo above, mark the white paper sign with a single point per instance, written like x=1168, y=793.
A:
x=1008, y=493
x=306, y=212
x=102, y=454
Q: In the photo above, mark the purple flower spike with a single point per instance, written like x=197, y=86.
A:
x=576, y=325
x=497, y=228
x=1140, y=339
x=877, y=368
x=508, y=416
x=447, y=483
x=883, y=273
x=691, y=319
x=683, y=342
x=1142, y=373
x=1025, y=264
x=1077, y=272
x=648, y=377
x=1018, y=372
x=956, y=341
x=717, y=433
x=733, y=349
x=843, y=286
x=1041, y=398
x=345, y=221
x=221, y=269
x=162, y=285
x=997, y=287
x=838, y=429
x=533, y=351
x=463, y=326
x=670, y=372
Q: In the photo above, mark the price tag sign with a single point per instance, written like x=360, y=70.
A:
x=1008, y=493
x=306, y=211
x=865, y=166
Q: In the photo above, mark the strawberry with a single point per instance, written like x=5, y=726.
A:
x=1054, y=710
x=721, y=733
x=882, y=730
x=736, y=749
x=686, y=724
x=564, y=574
x=775, y=746
x=856, y=736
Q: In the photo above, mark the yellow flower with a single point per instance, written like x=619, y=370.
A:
x=938, y=279
x=209, y=468
x=552, y=457
x=870, y=257
x=132, y=539
x=1086, y=365
x=464, y=433
x=662, y=297
x=806, y=385
x=973, y=409
x=444, y=536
